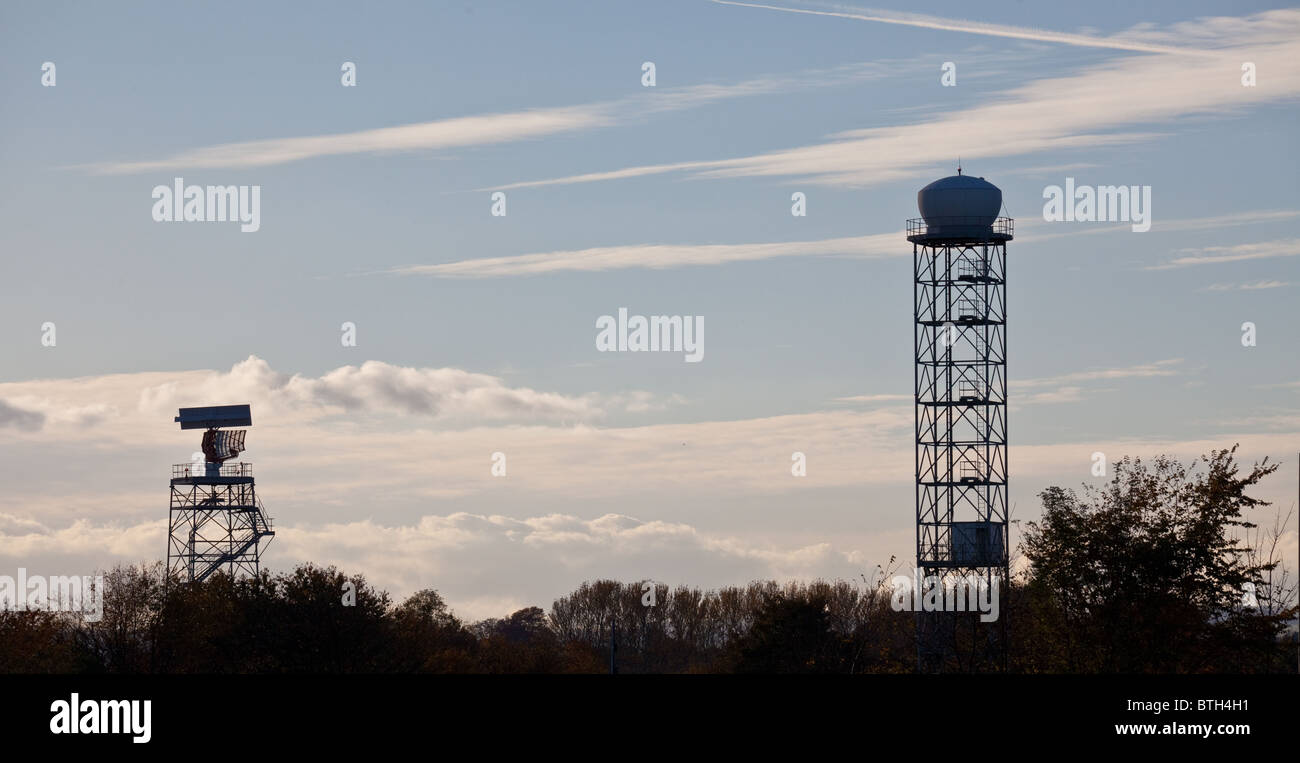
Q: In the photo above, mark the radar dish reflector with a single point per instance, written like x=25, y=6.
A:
x=221, y=445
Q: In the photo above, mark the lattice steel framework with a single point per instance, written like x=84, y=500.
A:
x=216, y=521
x=960, y=380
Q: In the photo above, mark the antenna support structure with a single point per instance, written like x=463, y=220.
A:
x=215, y=521
x=959, y=248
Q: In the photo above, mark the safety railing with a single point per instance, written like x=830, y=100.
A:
x=1000, y=227
x=194, y=469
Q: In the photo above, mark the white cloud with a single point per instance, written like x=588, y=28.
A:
x=1254, y=286
x=22, y=539
x=663, y=256
x=487, y=129
x=475, y=559
x=377, y=490
x=484, y=565
x=1054, y=169
x=1050, y=114
x=373, y=386
x=1215, y=255
x=1062, y=395
x=1166, y=367
x=658, y=256
x=1038, y=228
x=1119, y=42
x=1067, y=389
x=341, y=438
x=880, y=398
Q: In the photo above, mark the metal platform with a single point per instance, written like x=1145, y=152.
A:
x=960, y=230
x=215, y=522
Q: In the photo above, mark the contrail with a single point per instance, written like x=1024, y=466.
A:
x=976, y=27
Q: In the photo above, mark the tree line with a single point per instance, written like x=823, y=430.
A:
x=1159, y=571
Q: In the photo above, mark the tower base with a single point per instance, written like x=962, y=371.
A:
x=215, y=522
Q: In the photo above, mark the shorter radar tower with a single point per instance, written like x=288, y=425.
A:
x=216, y=519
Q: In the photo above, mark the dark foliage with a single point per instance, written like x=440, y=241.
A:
x=1143, y=575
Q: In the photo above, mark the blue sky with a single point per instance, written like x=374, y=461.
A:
x=1123, y=342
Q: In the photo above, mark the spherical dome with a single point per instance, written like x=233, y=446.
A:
x=959, y=200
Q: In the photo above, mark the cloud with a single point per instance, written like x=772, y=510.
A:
x=1141, y=371
x=1215, y=255
x=1256, y=286
x=1062, y=395
x=1249, y=217
x=1067, y=389
x=1037, y=227
x=377, y=387
x=445, y=133
x=484, y=565
x=1054, y=169
x=23, y=539
x=1118, y=42
x=488, y=129
x=881, y=398
x=331, y=449
x=1083, y=110
x=657, y=257
x=14, y=525
x=19, y=418
x=376, y=489
x=480, y=562
x=642, y=401
x=663, y=256
x=331, y=443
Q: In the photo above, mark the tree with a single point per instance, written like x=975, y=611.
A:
x=790, y=634
x=38, y=642
x=124, y=640
x=428, y=638
x=521, y=643
x=1147, y=574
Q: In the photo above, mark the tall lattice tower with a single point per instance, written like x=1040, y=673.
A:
x=959, y=249
x=216, y=519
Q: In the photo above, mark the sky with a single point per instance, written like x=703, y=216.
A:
x=475, y=333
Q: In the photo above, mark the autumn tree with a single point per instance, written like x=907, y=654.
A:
x=1147, y=574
